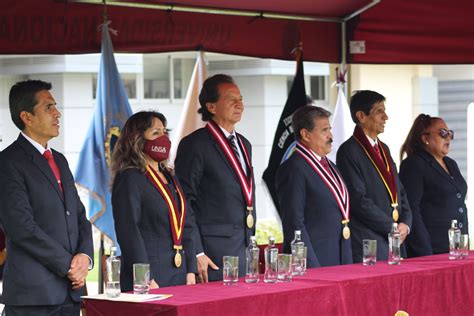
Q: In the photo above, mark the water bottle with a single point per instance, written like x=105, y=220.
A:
x=252, y=254
x=271, y=261
x=297, y=248
x=394, y=245
x=454, y=235
x=112, y=285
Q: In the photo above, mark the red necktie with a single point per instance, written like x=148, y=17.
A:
x=325, y=163
x=54, y=167
x=377, y=150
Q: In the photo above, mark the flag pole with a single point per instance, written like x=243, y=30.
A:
x=101, y=264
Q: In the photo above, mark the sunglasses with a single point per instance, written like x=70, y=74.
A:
x=445, y=133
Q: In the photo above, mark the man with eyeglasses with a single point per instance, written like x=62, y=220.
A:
x=377, y=197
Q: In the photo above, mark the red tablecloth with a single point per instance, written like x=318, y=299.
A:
x=430, y=285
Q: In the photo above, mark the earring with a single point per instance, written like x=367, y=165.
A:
x=427, y=143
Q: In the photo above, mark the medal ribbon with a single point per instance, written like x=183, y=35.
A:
x=246, y=182
x=176, y=216
x=383, y=167
x=333, y=180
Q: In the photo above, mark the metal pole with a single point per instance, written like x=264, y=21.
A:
x=101, y=264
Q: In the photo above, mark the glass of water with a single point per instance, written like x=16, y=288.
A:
x=464, y=246
x=369, y=252
x=230, y=271
x=141, y=278
x=284, y=269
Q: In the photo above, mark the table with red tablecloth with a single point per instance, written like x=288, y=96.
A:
x=431, y=285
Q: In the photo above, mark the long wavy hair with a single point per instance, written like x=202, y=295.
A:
x=128, y=151
x=413, y=142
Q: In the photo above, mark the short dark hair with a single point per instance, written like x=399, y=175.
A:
x=364, y=100
x=23, y=98
x=210, y=93
x=304, y=117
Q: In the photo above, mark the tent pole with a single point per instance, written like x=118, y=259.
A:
x=344, y=56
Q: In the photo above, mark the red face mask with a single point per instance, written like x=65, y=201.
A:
x=158, y=149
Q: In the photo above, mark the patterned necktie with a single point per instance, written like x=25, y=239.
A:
x=54, y=167
x=377, y=150
x=324, y=161
x=231, y=139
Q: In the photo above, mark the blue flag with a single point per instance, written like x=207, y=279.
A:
x=111, y=113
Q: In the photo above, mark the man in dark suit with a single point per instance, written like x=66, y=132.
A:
x=214, y=167
x=49, y=239
x=377, y=196
x=312, y=195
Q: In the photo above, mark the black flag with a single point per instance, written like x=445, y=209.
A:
x=284, y=141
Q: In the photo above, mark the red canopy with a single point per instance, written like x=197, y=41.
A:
x=394, y=31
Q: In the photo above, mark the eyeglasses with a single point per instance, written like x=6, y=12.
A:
x=445, y=133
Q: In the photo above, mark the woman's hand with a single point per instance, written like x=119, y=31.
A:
x=190, y=278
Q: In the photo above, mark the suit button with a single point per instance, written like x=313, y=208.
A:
x=458, y=195
x=461, y=210
x=460, y=225
x=68, y=213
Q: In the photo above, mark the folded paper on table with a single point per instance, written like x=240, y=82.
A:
x=129, y=297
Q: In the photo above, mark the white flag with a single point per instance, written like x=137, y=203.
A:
x=190, y=120
x=342, y=124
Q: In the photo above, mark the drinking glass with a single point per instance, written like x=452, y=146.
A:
x=284, y=273
x=230, y=271
x=141, y=278
x=369, y=252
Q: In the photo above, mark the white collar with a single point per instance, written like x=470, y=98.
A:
x=226, y=133
x=371, y=141
x=37, y=145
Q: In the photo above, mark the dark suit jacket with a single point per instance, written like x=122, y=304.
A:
x=371, y=210
x=215, y=198
x=44, y=229
x=308, y=204
x=436, y=198
x=144, y=233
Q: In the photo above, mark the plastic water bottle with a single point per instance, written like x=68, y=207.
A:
x=271, y=261
x=252, y=254
x=297, y=249
x=394, y=245
x=112, y=285
x=454, y=235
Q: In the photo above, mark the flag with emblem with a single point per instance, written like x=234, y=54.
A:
x=284, y=141
x=111, y=113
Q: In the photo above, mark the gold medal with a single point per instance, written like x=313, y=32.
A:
x=250, y=220
x=346, y=232
x=395, y=215
x=177, y=259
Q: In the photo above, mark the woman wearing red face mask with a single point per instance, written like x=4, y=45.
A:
x=435, y=187
x=149, y=206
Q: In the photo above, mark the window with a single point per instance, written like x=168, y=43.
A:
x=182, y=72
x=318, y=88
x=156, y=76
x=163, y=74
x=129, y=83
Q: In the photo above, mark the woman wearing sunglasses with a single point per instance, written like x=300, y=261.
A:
x=435, y=187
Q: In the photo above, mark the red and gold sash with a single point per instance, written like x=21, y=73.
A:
x=246, y=181
x=382, y=165
x=332, y=179
x=176, y=215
